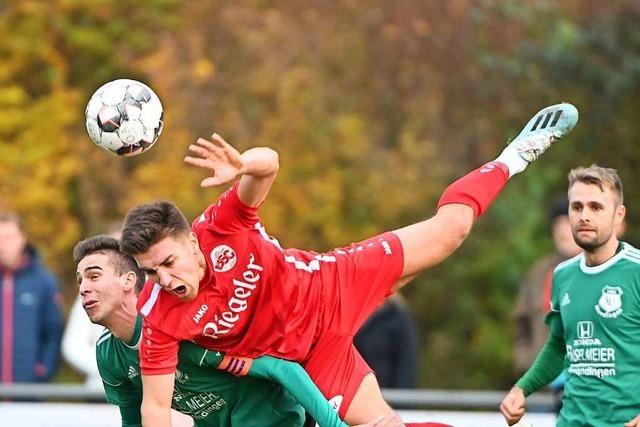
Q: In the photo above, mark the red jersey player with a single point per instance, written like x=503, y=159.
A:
x=227, y=285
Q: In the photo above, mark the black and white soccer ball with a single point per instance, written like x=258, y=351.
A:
x=124, y=117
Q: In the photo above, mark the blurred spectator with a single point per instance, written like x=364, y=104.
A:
x=30, y=315
x=388, y=342
x=535, y=291
x=80, y=335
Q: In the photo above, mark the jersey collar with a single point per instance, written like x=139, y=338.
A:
x=622, y=250
x=137, y=334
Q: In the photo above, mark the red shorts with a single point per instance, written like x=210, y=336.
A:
x=364, y=275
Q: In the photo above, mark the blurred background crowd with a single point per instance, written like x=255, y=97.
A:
x=371, y=107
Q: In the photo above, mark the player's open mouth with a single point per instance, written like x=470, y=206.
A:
x=180, y=290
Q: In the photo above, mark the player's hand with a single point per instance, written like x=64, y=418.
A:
x=512, y=407
x=384, y=421
x=634, y=422
x=218, y=157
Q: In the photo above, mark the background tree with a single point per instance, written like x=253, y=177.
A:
x=373, y=107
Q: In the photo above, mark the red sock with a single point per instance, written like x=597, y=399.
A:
x=427, y=425
x=478, y=188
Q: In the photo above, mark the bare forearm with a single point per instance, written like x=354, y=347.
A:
x=156, y=400
x=260, y=162
x=259, y=170
x=155, y=416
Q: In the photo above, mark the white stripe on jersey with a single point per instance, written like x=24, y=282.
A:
x=136, y=346
x=146, y=308
x=567, y=263
x=632, y=257
x=313, y=265
x=633, y=252
x=266, y=236
x=203, y=356
x=103, y=338
x=112, y=385
x=630, y=250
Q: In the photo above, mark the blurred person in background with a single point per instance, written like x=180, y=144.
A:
x=388, y=342
x=594, y=315
x=30, y=312
x=534, y=295
x=80, y=335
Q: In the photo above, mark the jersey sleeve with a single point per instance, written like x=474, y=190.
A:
x=288, y=374
x=158, y=351
x=553, y=317
x=195, y=355
x=546, y=367
x=120, y=391
x=131, y=416
x=229, y=215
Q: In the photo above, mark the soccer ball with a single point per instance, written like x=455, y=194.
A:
x=124, y=117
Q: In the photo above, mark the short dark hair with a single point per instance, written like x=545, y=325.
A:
x=559, y=207
x=107, y=245
x=147, y=224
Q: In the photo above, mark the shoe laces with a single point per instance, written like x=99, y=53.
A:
x=532, y=146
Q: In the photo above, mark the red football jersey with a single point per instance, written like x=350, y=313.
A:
x=255, y=298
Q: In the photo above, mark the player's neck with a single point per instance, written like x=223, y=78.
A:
x=122, y=322
x=602, y=254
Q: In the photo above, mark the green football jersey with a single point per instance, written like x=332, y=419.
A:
x=209, y=396
x=597, y=312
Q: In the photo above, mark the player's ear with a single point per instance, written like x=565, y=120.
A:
x=193, y=242
x=130, y=279
x=620, y=214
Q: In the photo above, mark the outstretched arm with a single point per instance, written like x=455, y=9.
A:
x=289, y=374
x=297, y=382
x=257, y=167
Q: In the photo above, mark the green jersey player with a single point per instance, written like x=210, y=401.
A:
x=594, y=322
x=108, y=283
x=210, y=397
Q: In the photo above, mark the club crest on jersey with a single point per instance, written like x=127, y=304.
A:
x=223, y=258
x=610, y=302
